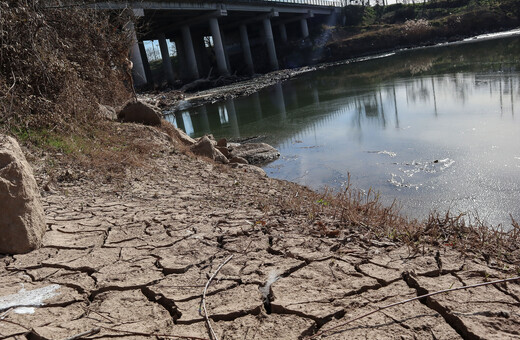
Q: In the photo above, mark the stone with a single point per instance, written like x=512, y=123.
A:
x=139, y=112
x=183, y=137
x=204, y=147
x=253, y=169
x=222, y=142
x=255, y=153
x=223, y=149
x=107, y=112
x=238, y=160
x=22, y=222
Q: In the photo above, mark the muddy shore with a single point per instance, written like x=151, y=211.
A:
x=132, y=259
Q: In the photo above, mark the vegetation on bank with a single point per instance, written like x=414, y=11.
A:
x=57, y=63
x=377, y=29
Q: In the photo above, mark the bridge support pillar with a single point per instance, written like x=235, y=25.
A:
x=181, y=58
x=191, y=61
x=146, y=64
x=138, y=73
x=166, y=61
x=201, y=54
x=219, y=47
x=246, y=48
x=271, y=50
x=283, y=33
x=305, y=28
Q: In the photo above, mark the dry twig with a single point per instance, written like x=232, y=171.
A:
x=212, y=332
x=4, y=314
x=379, y=309
x=84, y=334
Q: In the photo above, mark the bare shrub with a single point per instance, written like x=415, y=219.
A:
x=414, y=29
x=56, y=64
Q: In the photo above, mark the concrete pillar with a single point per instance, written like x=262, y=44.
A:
x=181, y=59
x=191, y=61
x=269, y=40
x=201, y=55
x=225, y=50
x=248, y=58
x=219, y=47
x=305, y=28
x=146, y=64
x=138, y=73
x=166, y=61
x=283, y=33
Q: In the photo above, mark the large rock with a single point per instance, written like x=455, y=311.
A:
x=139, y=112
x=255, y=153
x=204, y=147
x=22, y=222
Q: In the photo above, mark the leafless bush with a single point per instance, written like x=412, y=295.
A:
x=419, y=28
x=57, y=64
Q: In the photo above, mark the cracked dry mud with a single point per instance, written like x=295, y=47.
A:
x=133, y=260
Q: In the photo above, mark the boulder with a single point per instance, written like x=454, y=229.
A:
x=183, y=137
x=222, y=142
x=253, y=169
x=255, y=153
x=238, y=160
x=139, y=112
x=223, y=149
x=22, y=222
x=204, y=147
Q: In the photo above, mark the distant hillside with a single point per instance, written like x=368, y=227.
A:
x=381, y=28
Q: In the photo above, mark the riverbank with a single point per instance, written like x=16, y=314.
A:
x=132, y=257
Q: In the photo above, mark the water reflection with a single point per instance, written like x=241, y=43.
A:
x=435, y=128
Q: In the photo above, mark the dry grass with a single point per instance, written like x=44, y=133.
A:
x=330, y=212
x=57, y=64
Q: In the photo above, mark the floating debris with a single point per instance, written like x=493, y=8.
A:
x=384, y=152
x=399, y=182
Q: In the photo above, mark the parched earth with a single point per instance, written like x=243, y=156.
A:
x=132, y=259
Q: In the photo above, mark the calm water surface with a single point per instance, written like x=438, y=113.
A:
x=435, y=128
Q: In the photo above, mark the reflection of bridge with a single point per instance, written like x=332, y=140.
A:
x=235, y=27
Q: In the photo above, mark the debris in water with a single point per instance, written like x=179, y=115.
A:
x=384, y=152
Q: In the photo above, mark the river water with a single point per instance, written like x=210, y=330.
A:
x=435, y=128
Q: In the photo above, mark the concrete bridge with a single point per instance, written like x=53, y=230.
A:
x=245, y=35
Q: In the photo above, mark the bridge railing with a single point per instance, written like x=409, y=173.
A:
x=325, y=3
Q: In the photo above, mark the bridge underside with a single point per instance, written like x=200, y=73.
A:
x=246, y=37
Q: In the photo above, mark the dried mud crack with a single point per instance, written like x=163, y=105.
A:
x=132, y=258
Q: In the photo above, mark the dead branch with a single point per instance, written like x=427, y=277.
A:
x=206, y=315
x=4, y=314
x=84, y=334
x=379, y=309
